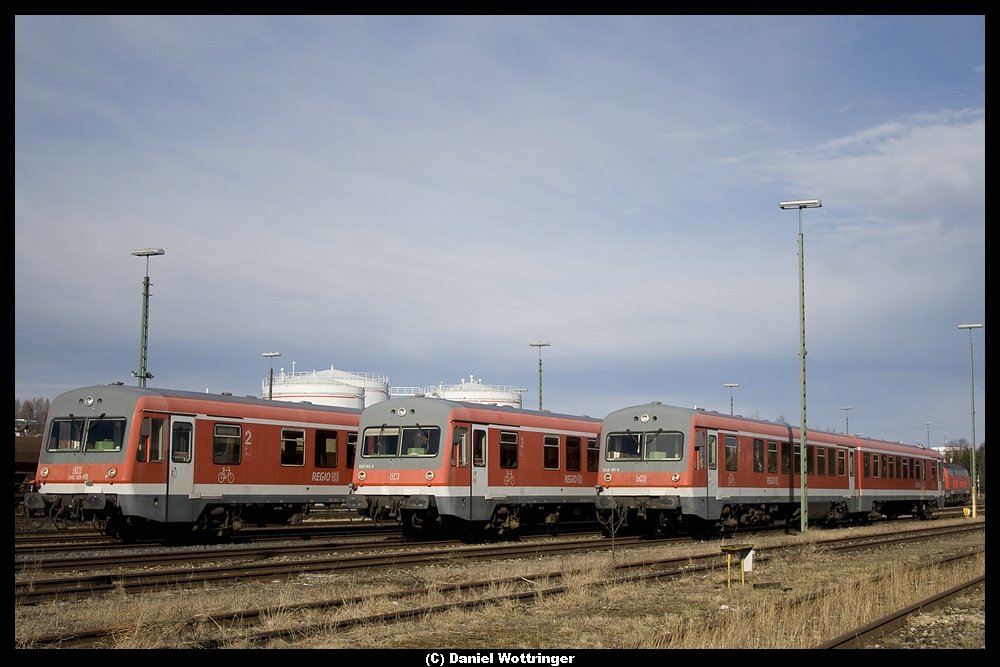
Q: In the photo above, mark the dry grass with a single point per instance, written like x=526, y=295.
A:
x=697, y=611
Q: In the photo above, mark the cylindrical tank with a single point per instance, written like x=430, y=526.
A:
x=328, y=387
x=470, y=391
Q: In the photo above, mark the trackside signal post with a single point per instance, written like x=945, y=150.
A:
x=803, y=446
x=972, y=394
x=142, y=373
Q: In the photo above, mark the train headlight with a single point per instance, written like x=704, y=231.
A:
x=112, y=472
x=401, y=412
x=362, y=475
x=644, y=418
x=607, y=477
x=44, y=472
x=429, y=475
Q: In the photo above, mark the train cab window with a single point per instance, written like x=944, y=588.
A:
x=593, y=454
x=352, y=448
x=772, y=456
x=326, y=449
x=181, y=442
x=732, y=452
x=623, y=446
x=293, y=447
x=664, y=446
x=574, y=453
x=508, y=449
x=380, y=441
x=699, y=450
x=821, y=461
x=65, y=435
x=460, y=447
x=421, y=441
x=850, y=468
x=105, y=435
x=550, y=452
x=226, y=444
x=150, y=446
x=758, y=455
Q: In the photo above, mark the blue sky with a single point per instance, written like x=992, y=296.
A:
x=422, y=197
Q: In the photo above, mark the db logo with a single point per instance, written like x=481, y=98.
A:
x=394, y=477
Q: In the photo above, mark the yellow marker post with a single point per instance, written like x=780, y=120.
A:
x=741, y=551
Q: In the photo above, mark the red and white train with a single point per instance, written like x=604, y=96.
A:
x=666, y=468
x=158, y=462
x=475, y=471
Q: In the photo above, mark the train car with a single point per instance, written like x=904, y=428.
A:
x=163, y=463
x=957, y=485
x=666, y=468
x=473, y=471
x=26, y=449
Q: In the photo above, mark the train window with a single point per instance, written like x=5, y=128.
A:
x=623, y=446
x=105, y=435
x=934, y=474
x=876, y=469
x=866, y=465
x=906, y=467
x=821, y=461
x=380, y=441
x=550, y=452
x=664, y=446
x=479, y=448
x=797, y=459
x=713, y=452
x=293, y=447
x=157, y=440
x=786, y=458
x=731, y=452
x=352, y=448
x=592, y=454
x=226, y=444
x=65, y=435
x=421, y=441
x=181, y=442
x=772, y=456
x=150, y=441
x=460, y=447
x=831, y=459
x=758, y=455
x=326, y=449
x=810, y=452
x=508, y=449
x=699, y=449
x=574, y=453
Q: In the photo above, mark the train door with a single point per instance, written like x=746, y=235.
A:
x=713, y=464
x=479, y=484
x=180, y=480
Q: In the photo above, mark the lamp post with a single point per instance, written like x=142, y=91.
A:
x=270, y=373
x=847, y=421
x=803, y=446
x=731, y=385
x=540, y=344
x=928, y=425
x=972, y=395
x=142, y=373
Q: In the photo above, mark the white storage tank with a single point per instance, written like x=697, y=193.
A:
x=470, y=391
x=328, y=387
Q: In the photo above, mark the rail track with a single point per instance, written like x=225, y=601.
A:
x=468, y=593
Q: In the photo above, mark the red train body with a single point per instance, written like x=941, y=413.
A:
x=476, y=471
x=141, y=461
x=957, y=485
x=664, y=468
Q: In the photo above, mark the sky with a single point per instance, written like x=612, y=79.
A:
x=422, y=197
